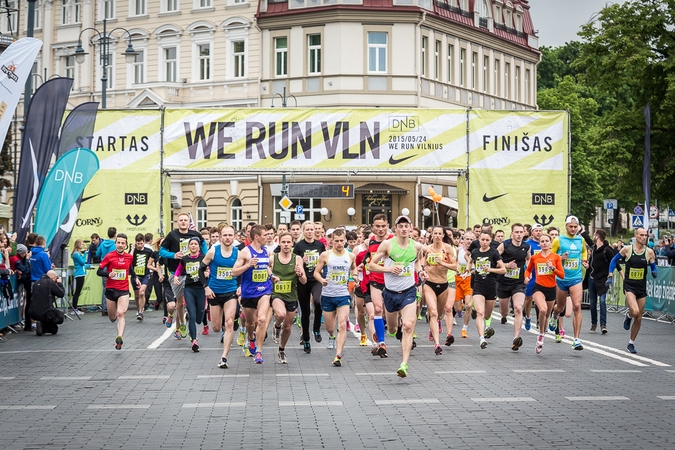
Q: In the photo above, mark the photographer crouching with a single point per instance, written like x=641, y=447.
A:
x=45, y=291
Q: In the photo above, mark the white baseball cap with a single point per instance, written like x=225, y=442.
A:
x=571, y=219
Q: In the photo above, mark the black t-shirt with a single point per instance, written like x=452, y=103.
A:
x=483, y=260
x=312, y=251
x=517, y=253
x=140, y=262
x=175, y=242
x=476, y=244
x=191, y=270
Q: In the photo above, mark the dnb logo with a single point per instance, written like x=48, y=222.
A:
x=136, y=198
x=543, y=199
x=404, y=124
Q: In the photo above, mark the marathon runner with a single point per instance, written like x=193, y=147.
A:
x=439, y=258
x=487, y=264
x=256, y=286
x=463, y=291
x=141, y=254
x=400, y=256
x=572, y=251
x=535, y=248
x=547, y=266
x=335, y=296
x=195, y=298
x=637, y=257
x=116, y=268
x=222, y=291
x=376, y=282
x=516, y=255
x=287, y=270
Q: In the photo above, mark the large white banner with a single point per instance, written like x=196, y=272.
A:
x=15, y=66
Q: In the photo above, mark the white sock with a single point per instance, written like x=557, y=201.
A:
x=465, y=327
x=631, y=341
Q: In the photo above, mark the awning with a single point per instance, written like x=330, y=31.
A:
x=449, y=202
x=380, y=188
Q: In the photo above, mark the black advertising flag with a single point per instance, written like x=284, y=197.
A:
x=647, y=167
x=38, y=146
x=77, y=132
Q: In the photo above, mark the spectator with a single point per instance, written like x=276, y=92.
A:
x=45, y=292
x=93, y=247
x=662, y=249
x=21, y=264
x=39, y=260
x=601, y=255
x=80, y=267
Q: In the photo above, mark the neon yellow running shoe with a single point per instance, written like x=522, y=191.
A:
x=241, y=339
x=402, y=370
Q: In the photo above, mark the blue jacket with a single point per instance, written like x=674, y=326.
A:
x=80, y=264
x=106, y=246
x=39, y=262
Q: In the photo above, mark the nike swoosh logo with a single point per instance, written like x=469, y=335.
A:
x=84, y=199
x=393, y=161
x=487, y=199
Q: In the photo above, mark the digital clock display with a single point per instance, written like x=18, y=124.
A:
x=321, y=190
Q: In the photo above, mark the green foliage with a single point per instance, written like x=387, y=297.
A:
x=6, y=161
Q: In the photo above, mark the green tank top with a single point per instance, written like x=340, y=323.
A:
x=287, y=286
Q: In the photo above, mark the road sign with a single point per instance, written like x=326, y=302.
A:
x=610, y=221
x=653, y=212
x=637, y=222
x=285, y=202
x=653, y=223
x=284, y=217
x=637, y=210
x=299, y=217
x=671, y=213
x=299, y=209
x=610, y=203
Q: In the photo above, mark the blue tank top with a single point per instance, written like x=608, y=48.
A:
x=256, y=282
x=574, y=247
x=221, y=280
x=535, y=248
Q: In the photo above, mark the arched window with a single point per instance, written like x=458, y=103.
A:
x=235, y=214
x=483, y=9
x=201, y=214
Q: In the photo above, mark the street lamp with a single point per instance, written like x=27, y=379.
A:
x=104, y=46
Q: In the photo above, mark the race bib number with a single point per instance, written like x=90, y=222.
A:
x=543, y=269
x=259, y=276
x=184, y=246
x=118, y=274
x=140, y=270
x=338, y=277
x=283, y=287
x=406, y=269
x=482, y=265
x=192, y=269
x=537, y=251
x=571, y=264
x=312, y=257
x=433, y=259
x=636, y=274
x=462, y=268
x=224, y=273
x=513, y=273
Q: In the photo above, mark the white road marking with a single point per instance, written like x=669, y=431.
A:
x=118, y=406
x=670, y=371
x=374, y=374
x=445, y=372
x=404, y=401
x=223, y=376
x=27, y=407
x=537, y=370
x=7, y=378
x=616, y=371
x=311, y=403
x=303, y=375
x=143, y=377
x=503, y=399
x=596, y=398
x=214, y=405
x=157, y=342
x=66, y=378
x=666, y=397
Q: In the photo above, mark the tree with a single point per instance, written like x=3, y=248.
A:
x=628, y=57
x=556, y=63
x=586, y=191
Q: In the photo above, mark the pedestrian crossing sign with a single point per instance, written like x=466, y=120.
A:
x=637, y=222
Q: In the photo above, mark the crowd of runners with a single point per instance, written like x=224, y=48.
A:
x=392, y=276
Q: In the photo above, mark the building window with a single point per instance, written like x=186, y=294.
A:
x=507, y=80
x=70, y=11
x=239, y=58
x=474, y=73
x=139, y=8
x=483, y=9
x=10, y=17
x=37, y=18
x=314, y=57
x=498, y=14
x=451, y=63
x=498, y=78
x=373, y=204
x=507, y=19
x=204, y=61
x=108, y=9
x=486, y=62
x=437, y=60
x=377, y=51
x=519, y=22
x=203, y=4
x=170, y=63
x=169, y=5
x=201, y=214
x=516, y=85
x=462, y=58
x=281, y=56
x=424, y=55
x=139, y=67
x=235, y=214
x=527, y=86
x=69, y=67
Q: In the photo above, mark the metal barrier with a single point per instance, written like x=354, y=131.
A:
x=9, y=307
